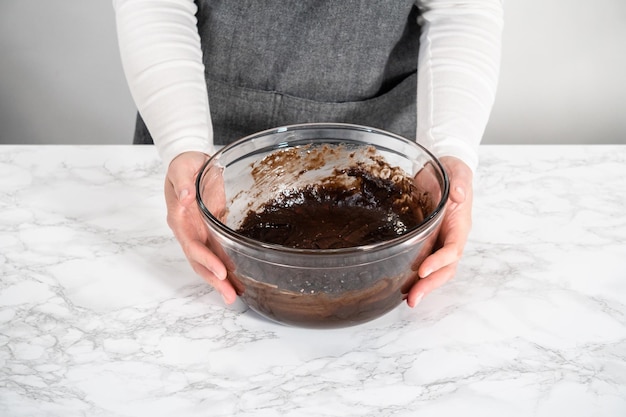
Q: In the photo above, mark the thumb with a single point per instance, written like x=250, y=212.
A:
x=182, y=172
x=460, y=179
x=457, y=192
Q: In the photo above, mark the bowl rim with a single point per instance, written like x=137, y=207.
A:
x=257, y=244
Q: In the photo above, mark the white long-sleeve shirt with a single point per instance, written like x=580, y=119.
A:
x=458, y=69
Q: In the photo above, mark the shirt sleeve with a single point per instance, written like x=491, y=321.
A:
x=458, y=69
x=457, y=73
x=162, y=61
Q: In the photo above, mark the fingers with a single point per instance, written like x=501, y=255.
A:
x=182, y=174
x=461, y=178
x=458, y=192
x=224, y=287
x=441, y=266
x=424, y=286
x=206, y=264
x=198, y=253
x=436, y=270
x=186, y=222
x=455, y=229
x=449, y=254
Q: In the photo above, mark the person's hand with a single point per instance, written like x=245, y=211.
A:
x=440, y=267
x=185, y=220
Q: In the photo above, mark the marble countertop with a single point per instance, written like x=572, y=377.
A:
x=100, y=315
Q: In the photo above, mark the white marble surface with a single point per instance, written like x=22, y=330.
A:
x=101, y=316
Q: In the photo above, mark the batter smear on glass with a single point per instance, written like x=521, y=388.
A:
x=355, y=206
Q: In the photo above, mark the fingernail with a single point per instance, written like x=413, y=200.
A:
x=427, y=273
x=461, y=192
x=183, y=194
x=418, y=299
x=216, y=275
x=224, y=299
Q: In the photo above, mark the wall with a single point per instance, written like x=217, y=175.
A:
x=562, y=79
x=60, y=74
x=563, y=75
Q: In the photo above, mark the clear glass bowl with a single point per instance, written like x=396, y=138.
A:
x=319, y=288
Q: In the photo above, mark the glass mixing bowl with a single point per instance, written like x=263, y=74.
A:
x=311, y=287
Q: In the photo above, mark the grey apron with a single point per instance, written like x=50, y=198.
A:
x=274, y=63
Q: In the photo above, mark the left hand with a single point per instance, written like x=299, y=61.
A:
x=185, y=220
x=440, y=267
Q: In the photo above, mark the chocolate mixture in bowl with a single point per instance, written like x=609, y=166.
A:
x=367, y=201
x=319, y=197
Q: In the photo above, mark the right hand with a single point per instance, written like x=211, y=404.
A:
x=185, y=220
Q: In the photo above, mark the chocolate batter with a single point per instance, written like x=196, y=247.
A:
x=359, y=200
x=354, y=207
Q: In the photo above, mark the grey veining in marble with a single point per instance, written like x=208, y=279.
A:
x=100, y=315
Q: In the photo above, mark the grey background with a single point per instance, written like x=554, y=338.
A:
x=562, y=80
